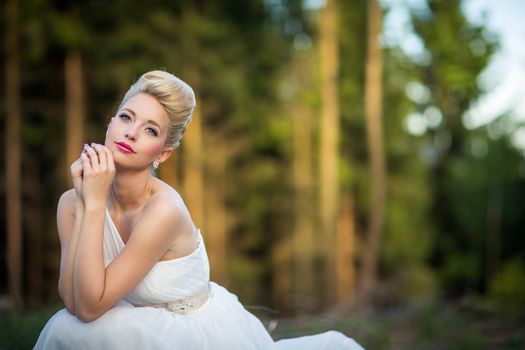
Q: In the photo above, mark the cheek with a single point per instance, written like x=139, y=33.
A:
x=154, y=149
x=109, y=133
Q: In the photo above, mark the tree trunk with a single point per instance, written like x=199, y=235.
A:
x=281, y=285
x=75, y=106
x=193, y=161
x=35, y=233
x=193, y=144
x=494, y=219
x=373, y=108
x=216, y=225
x=345, y=249
x=13, y=156
x=329, y=140
x=303, y=252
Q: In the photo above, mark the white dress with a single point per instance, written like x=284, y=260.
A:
x=206, y=315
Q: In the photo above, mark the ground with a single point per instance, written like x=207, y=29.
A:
x=466, y=324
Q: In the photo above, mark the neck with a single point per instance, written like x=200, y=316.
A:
x=130, y=190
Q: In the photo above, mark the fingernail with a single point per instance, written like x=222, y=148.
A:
x=86, y=145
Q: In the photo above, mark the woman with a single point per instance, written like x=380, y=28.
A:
x=134, y=273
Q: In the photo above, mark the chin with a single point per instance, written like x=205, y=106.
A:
x=126, y=166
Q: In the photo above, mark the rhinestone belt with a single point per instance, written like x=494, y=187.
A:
x=187, y=305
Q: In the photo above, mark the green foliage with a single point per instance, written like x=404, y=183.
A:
x=435, y=324
x=352, y=28
x=459, y=52
x=250, y=271
x=417, y=283
x=19, y=331
x=461, y=270
x=408, y=230
x=465, y=189
x=508, y=286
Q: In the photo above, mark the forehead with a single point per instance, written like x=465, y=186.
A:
x=146, y=107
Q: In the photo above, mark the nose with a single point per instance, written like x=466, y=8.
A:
x=131, y=134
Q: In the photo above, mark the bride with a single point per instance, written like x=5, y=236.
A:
x=134, y=273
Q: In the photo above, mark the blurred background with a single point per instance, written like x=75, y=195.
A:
x=353, y=165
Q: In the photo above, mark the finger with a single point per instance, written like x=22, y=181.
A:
x=86, y=162
x=108, y=156
x=93, y=156
x=77, y=165
x=101, y=153
x=86, y=149
x=110, y=160
x=87, y=158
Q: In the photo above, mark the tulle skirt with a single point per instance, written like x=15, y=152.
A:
x=221, y=323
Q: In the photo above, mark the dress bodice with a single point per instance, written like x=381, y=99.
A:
x=168, y=280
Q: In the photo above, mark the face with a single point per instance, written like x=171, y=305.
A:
x=137, y=133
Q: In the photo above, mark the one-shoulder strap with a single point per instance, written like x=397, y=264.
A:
x=113, y=244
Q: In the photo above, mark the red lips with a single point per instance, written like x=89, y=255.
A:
x=124, y=147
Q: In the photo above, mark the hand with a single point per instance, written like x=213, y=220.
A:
x=99, y=170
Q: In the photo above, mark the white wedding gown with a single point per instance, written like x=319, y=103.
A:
x=213, y=320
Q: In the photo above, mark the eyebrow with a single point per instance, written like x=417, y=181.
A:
x=130, y=111
x=149, y=121
x=154, y=123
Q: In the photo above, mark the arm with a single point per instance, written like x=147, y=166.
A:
x=69, y=217
x=96, y=289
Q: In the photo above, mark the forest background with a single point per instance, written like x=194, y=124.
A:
x=326, y=169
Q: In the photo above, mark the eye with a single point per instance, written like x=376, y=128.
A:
x=152, y=131
x=124, y=117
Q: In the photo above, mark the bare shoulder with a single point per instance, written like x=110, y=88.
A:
x=167, y=205
x=167, y=196
x=66, y=203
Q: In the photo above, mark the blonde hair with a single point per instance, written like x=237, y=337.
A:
x=173, y=94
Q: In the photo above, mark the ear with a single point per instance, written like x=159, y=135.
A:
x=165, y=154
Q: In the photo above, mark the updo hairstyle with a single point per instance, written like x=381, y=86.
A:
x=173, y=94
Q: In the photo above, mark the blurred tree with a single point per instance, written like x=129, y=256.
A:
x=193, y=142
x=488, y=179
x=75, y=105
x=13, y=154
x=329, y=140
x=42, y=96
x=346, y=249
x=353, y=170
x=299, y=89
x=409, y=229
x=373, y=109
x=457, y=52
x=72, y=35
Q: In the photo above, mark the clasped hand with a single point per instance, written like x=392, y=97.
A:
x=93, y=174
